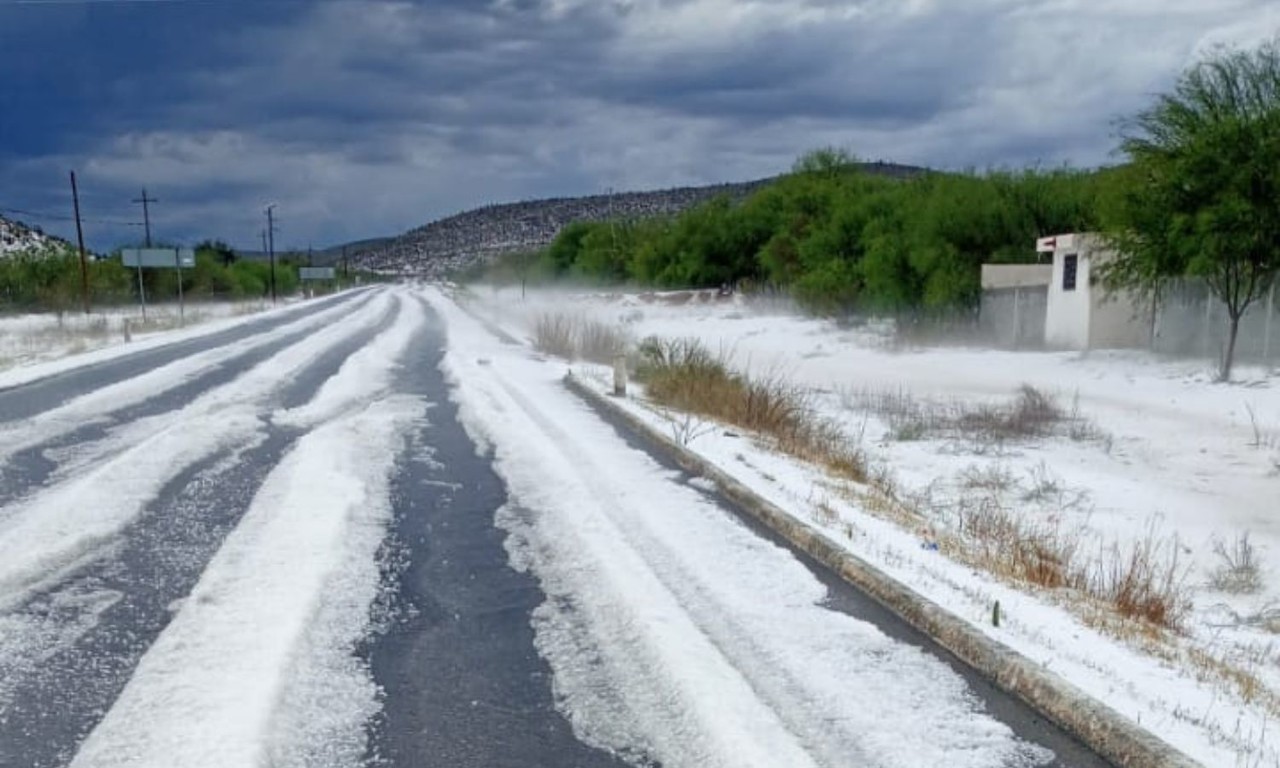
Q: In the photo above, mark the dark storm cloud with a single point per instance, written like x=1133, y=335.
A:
x=849, y=71
x=369, y=117
x=68, y=67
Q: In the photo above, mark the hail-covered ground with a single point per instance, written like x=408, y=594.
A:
x=364, y=530
x=27, y=339
x=1151, y=456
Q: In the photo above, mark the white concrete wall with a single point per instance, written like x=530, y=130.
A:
x=1015, y=275
x=1066, y=322
x=1087, y=318
x=1120, y=320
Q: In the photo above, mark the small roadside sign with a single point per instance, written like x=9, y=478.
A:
x=316, y=273
x=158, y=258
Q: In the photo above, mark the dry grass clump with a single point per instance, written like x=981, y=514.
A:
x=1144, y=582
x=1239, y=678
x=1024, y=550
x=575, y=337
x=1007, y=526
x=1262, y=436
x=554, y=334
x=164, y=322
x=684, y=375
x=70, y=333
x=1030, y=414
x=1237, y=570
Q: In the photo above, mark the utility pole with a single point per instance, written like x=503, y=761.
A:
x=146, y=222
x=613, y=227
x=84, y=265
x=146, y=212
x=271, y=247
x=182, y=305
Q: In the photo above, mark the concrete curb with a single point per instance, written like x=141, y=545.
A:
x=1104, y=730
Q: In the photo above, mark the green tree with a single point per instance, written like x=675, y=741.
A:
x=826, y=161
x=564, y=251
x=218, y=250
x=839, y=239
x=1203, y=195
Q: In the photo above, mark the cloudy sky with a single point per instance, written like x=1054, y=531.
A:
x=368, y=117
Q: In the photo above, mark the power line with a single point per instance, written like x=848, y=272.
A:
x=64, y=217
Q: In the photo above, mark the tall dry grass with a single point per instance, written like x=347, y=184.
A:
x=577, y=337
x=684, y=375
x=1009, y=528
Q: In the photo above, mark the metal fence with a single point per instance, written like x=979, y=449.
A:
x=1013, y=318
x=1191, y=322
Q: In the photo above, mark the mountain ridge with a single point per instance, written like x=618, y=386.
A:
x=482, y=234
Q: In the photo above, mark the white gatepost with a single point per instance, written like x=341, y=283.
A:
x=620, y=375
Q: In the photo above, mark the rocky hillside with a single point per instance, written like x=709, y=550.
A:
x=16, y=237
x=482, y=234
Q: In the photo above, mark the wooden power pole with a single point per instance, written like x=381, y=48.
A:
x=84, y=262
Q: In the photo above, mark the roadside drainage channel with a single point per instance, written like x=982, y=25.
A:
x=1097, y=726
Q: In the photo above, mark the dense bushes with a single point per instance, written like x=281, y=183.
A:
x=835, y=237
x=49, y=279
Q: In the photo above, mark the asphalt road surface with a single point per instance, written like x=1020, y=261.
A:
x=277, y=545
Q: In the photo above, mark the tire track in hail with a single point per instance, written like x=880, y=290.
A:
x=32, y=467
x=453, y=647
x=27, y=399
x=253, y=666
x=122, y=603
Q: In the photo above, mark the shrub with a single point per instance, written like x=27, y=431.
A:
x=575, y=337
x=683, y=374
x=1031, y=413
x=1237, y=571
x=1145, y=582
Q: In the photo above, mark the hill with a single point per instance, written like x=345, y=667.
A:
x=16, y=237
x=321, y=257
x=353, y=251
x=486, y=233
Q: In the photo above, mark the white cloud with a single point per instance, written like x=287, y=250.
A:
x=366, y=118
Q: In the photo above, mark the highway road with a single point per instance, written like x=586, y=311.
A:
x=346, y=535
